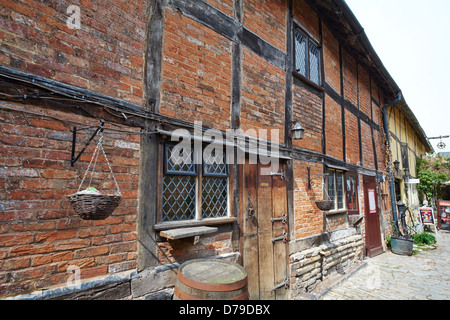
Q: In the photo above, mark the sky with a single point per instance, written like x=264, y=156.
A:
x=412, y=39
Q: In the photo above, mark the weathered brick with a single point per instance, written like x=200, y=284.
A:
x=8, y=240
x=55, y=235
x=52, y=258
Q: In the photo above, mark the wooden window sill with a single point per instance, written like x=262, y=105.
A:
x=191, y=224
x=335, y=212
x=181, y=233
x=308, y=82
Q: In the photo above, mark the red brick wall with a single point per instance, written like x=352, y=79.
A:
x=367, y=146
x=196, y=73
x=267, y=19
x=336, y=221
x=380, y=146
x=105, y=55
x=308, y=219
x=350, y=78
x=331, y=60
x=226, y=6
x=333, y=128
x=40, y=234
x=352, y=138
x=307, y=17
x=263, y=95
x=183, y=250
x=307, y=109
x=364, y=91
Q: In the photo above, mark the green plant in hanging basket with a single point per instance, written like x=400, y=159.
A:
x=91, y=204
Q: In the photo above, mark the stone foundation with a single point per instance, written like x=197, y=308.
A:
x=332, y=255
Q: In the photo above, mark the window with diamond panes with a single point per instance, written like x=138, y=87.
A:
x=181, y=191
x=301, y=53
x=214, y=184
x=307, y=57
x=179, y=183
x=178, y=198
x=314, y=63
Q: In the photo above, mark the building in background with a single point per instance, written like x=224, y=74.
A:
x=408, y=142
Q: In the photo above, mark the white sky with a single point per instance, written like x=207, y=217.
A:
x=412, y=39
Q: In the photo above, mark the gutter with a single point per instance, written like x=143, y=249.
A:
x=391, y=174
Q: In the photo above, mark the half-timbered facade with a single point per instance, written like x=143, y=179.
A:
x=231, y=79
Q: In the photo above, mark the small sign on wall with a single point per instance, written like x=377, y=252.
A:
x=372, y=203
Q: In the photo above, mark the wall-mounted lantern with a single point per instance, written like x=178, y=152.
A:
x=396, y=165
x=298, y=132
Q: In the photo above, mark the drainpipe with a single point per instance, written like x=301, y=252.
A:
x=391, y=174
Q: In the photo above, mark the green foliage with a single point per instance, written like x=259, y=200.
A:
x=425, y=238
x=388, y=241
x=433, y=172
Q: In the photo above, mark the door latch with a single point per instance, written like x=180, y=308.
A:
x=282, y=219
x=283, y=237
x=284, y=284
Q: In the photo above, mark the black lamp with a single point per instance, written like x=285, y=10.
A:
x=396, y=165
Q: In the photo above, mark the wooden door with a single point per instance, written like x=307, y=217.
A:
x=264, y=221
x=374, y=246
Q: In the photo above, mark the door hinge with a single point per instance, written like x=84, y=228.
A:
x=281, y=174
x=283, y=237
x=282, y=219
x=284, y=284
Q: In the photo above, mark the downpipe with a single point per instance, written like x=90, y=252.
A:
x=391, y=174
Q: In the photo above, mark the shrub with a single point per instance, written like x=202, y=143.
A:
x=425, y=238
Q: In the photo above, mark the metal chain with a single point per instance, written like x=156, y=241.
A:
x=110, y=169
x=87, y=170
x=95, y=155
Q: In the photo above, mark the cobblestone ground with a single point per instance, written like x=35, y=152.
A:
x=423, y=276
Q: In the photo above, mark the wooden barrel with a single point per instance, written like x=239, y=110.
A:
x=211, y=279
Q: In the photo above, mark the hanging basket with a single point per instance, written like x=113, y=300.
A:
x=325, y=205
x=95, y=206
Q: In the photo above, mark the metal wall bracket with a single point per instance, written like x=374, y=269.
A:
x=282, y=219
x=283, y=237
x=74, y=159
x=284, y=284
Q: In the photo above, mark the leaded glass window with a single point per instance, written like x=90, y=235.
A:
x=307, y=57
x=314, y=63
x=178, y=198
x=340, y=189
x=301, y=53
x=179, y=159
x=214, y=197
x=187, y=189
x=335, y=189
